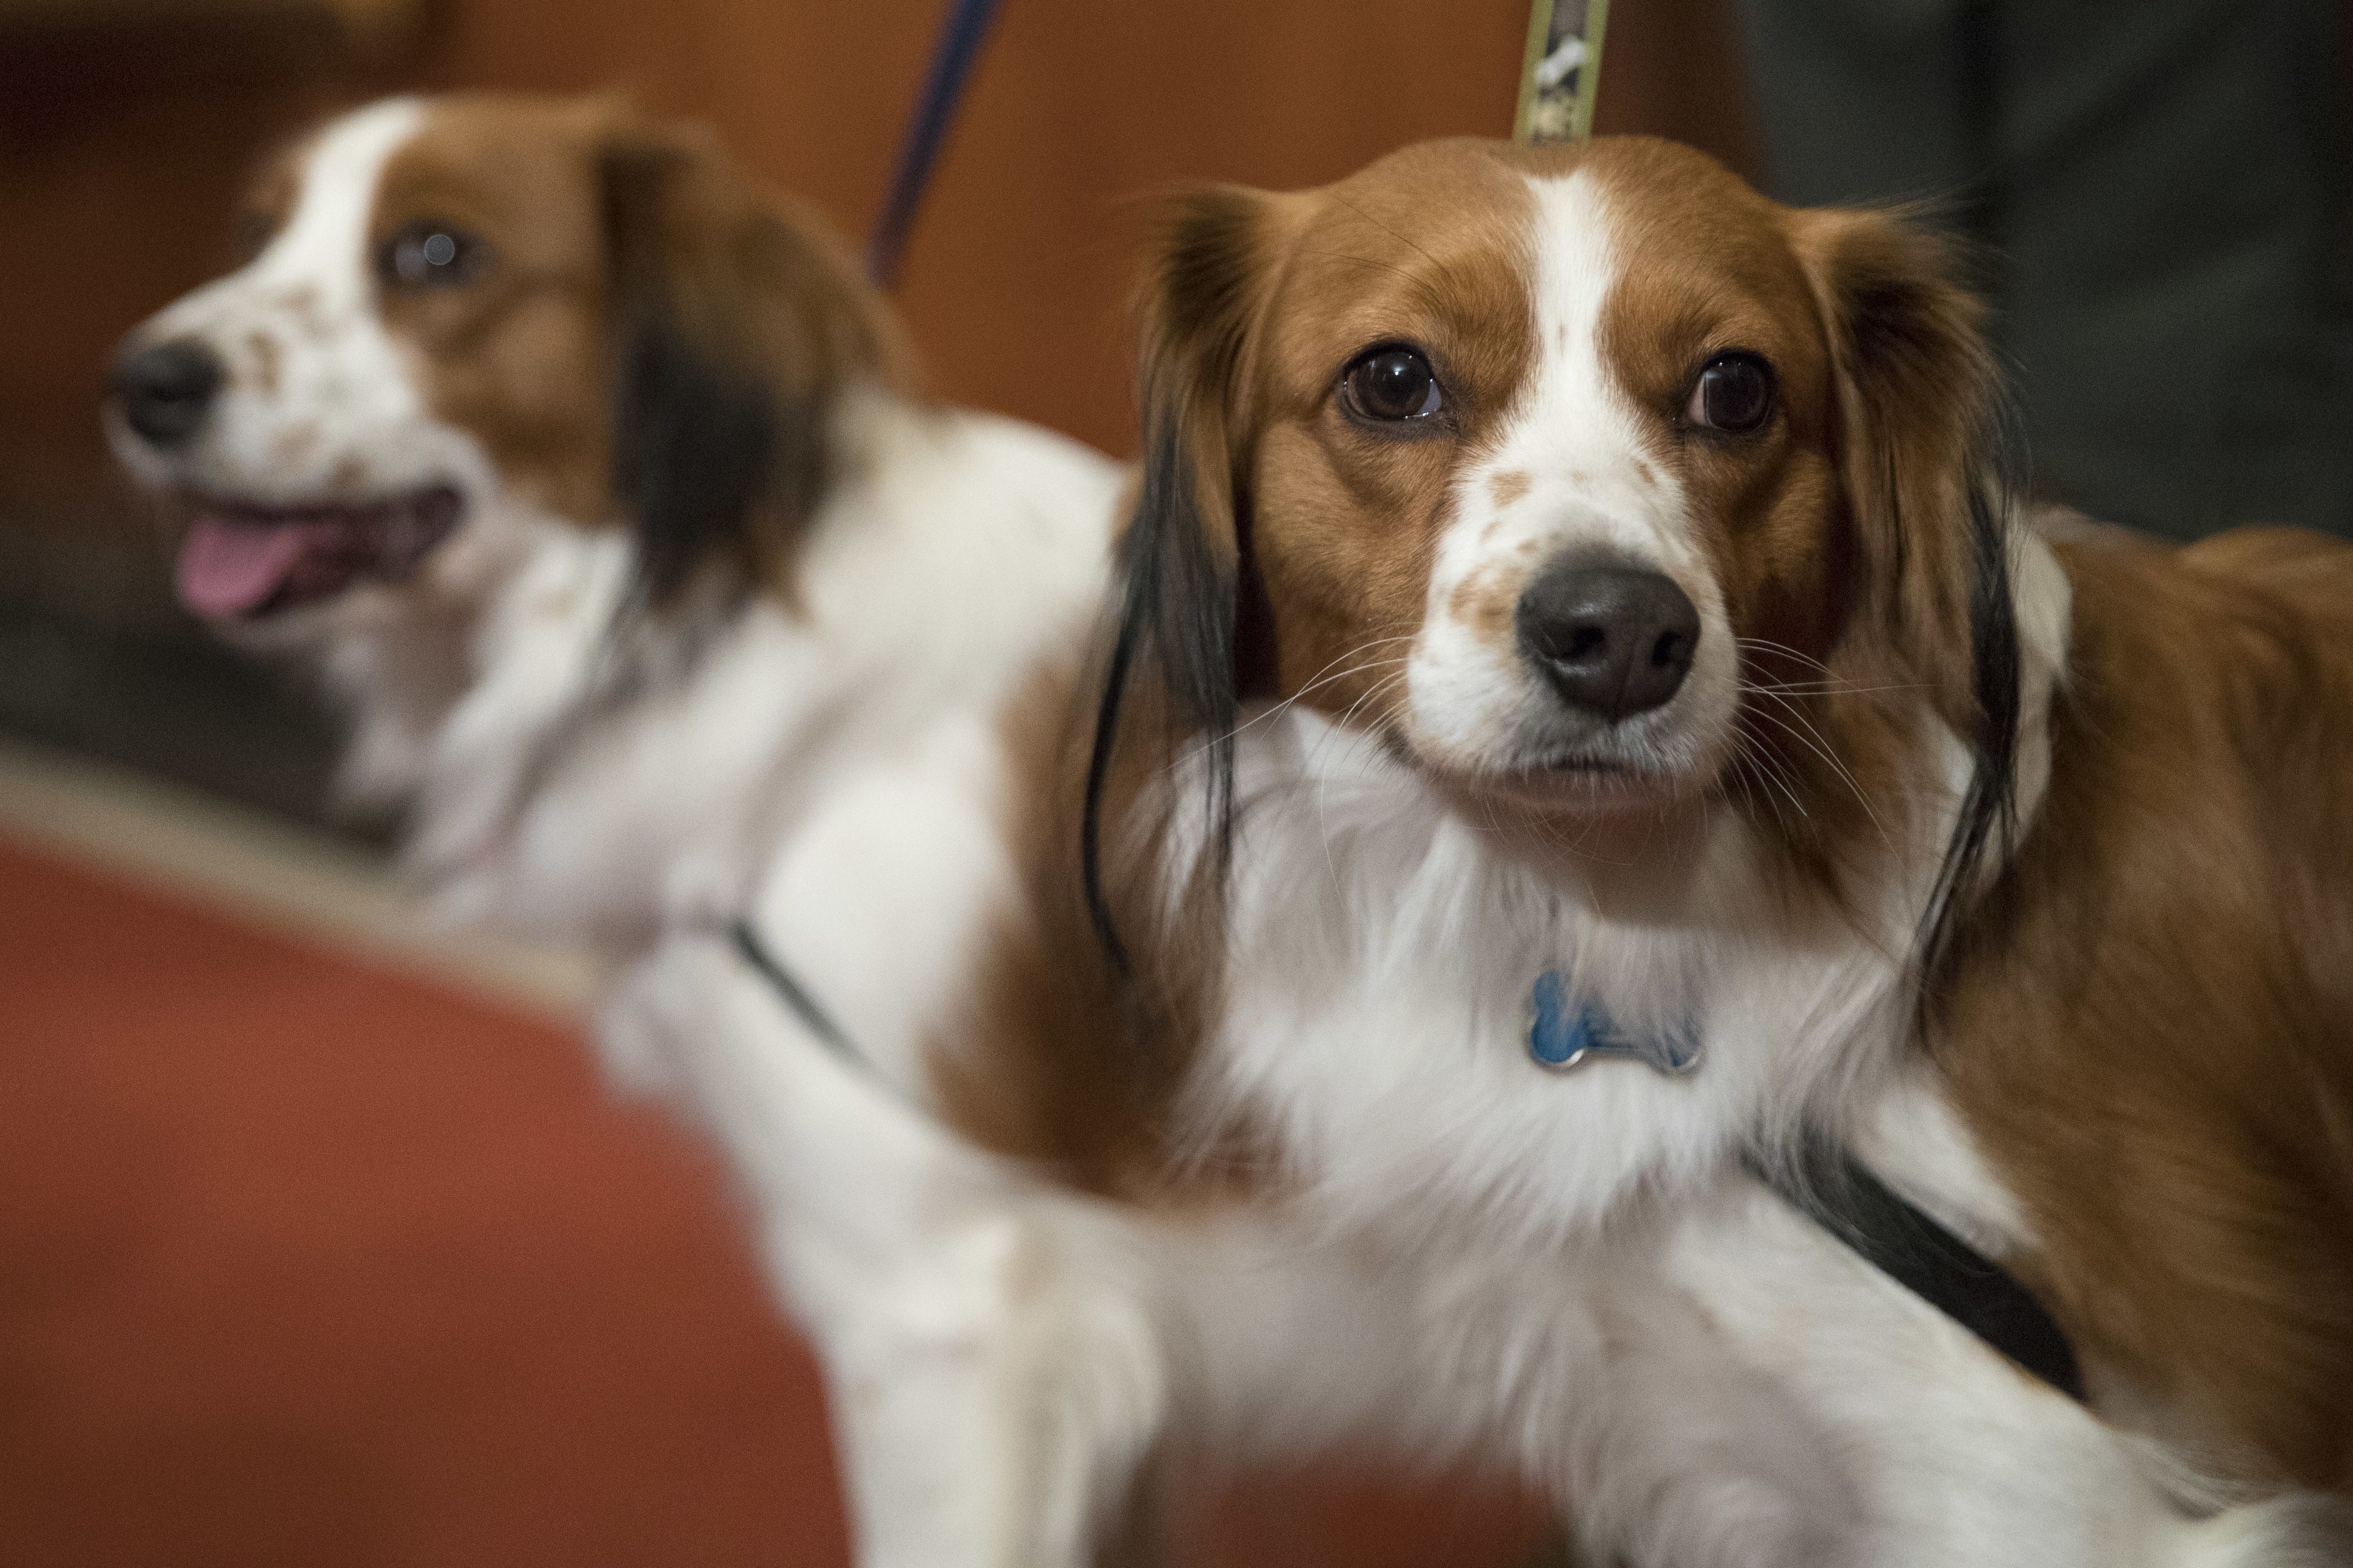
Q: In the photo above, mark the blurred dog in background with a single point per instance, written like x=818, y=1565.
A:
x=597, y=481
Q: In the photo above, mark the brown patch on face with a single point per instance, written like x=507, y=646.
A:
x=520, y=355
x=1488, y=602
x=293, y=444
x=349, y=477
x=1279, y=541
x=262, y=351
x=597, y=228
x=2151, y=1028
x=1426, y=248
x=1508, y=487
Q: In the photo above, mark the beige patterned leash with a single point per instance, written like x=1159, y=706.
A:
x=1562, y=71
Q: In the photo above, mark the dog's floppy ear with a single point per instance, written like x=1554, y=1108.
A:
x=737, y=321
x=1923, y=469
x=1917, y=421
x=1193, y=626
x=1193, y=593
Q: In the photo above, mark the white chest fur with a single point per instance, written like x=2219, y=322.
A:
x=1385, y=945
x=1385, y=952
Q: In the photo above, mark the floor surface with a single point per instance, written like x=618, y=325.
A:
x=316, y=1250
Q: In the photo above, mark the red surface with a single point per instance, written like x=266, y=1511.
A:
x=305, y=1262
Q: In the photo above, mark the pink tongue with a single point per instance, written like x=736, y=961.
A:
x=231, y=568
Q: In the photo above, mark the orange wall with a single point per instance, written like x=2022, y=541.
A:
x=1016, y=279
x=117, y=153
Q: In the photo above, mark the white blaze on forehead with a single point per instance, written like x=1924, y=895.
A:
x=325, y=237
x=321, y=403
x=321, y=246
x=1573, y=431
x=1568, y=472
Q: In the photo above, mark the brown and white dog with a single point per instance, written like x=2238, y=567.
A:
x=595, y=477
x=1566, y=568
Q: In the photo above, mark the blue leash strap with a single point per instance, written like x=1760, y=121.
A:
x=952, y=60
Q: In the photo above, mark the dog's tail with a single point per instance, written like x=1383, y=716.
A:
x=2298, y=1532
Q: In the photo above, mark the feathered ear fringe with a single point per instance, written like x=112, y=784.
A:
x=1177, y=616
x=1987, y=822
x=1928, y=474
x=736, y=322
x=699, y=447
x=1181, y=562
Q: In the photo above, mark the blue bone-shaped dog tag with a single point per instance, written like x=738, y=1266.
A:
x=1564, y=1032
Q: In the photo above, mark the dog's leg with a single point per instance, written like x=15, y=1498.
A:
x=1766, y=1399
x=1615, y=1394
x=996, y=1370
x=993, y=1401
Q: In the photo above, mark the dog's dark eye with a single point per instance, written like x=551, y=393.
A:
x=430, y=255
x=1392, y=383
x=1733, y=394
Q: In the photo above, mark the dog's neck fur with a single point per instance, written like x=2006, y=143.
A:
x=579, y=772
x=1372, y=1028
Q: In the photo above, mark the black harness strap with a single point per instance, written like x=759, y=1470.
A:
x=795, y=998
x=1919, y=1253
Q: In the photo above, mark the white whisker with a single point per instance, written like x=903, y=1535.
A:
x=1320, y=679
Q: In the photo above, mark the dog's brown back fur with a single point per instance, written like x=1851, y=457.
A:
x=2153, y=1030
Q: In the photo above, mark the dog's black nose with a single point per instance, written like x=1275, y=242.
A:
x=165, y=391
x=1613, y=640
